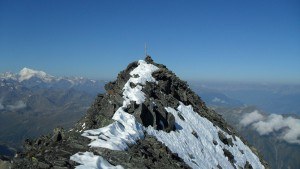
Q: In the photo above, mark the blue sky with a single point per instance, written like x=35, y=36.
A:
x=257, y=40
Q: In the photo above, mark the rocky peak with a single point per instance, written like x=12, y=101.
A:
x=143, y=113
x=167, y=92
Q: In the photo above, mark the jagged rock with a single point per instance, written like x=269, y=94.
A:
x=58, y=134
x=248, y=166
x=43, y=165
x=228, y=154
x=148, y=59
x=54, y=151
x=224, y=139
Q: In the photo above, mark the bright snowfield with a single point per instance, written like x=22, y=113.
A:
x=26, y=74
x=125, y=130
x=201, y=152
x=196, y=152
x=91, y=161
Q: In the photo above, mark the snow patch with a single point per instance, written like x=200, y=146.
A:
x=26, y=74
x=118, y=135
x=90, y=161
x=201, y=152
x=139, y=76
x=125, y=130
x=83, y=126
x=197, y=152
x=7, y=75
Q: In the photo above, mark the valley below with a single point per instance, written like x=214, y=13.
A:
x=31, y=108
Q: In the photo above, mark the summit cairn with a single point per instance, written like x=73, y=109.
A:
x=148, y=118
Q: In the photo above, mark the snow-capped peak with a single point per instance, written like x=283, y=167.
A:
x=196, y=140
x=27, y=73
x=8, y=75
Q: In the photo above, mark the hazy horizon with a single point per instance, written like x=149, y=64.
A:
x=255, y=41
x=203, y=81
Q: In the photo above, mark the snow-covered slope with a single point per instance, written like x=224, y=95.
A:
x=196, y=140
x=148, y=118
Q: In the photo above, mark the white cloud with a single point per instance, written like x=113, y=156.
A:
x=273, y=122
x=287, y=128
x=218, y=100
x=18, y=105
x=250, y=118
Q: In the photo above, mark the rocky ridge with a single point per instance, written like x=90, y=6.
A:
x=54, y=151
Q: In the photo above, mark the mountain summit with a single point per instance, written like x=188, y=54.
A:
x=148, y=118
x=27, y=73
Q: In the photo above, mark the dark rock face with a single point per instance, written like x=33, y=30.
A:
x=147, y=153
x=54, y=151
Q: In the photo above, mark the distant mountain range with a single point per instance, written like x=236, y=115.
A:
x=38, y=79
x=274, y=98
x=148, y=118
x=33, y=103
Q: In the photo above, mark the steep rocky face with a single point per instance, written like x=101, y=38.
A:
x=168, y=92
x=134, y=124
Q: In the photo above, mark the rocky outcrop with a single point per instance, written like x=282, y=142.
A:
x=54, y=150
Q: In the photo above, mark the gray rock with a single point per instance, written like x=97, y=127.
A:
x=55, y=150
x=58, y=134
x=43, y=165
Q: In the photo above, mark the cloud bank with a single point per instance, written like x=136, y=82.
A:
x=18, y=105
x=250, y=118
x=287, y=128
